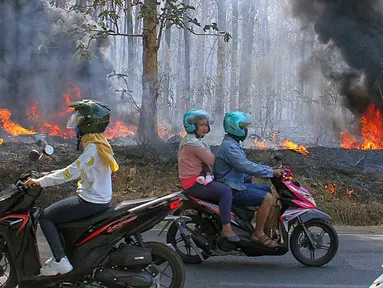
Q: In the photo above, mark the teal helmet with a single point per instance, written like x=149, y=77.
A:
x=236, y=123
x=193, y=116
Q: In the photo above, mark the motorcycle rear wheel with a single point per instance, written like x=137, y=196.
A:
x=295, y=239
x=187, y=257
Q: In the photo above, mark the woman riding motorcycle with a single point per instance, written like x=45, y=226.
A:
x=94, y=193
x=193, y=155
x=232, y=167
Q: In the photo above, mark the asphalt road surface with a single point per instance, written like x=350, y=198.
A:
x=357, y=264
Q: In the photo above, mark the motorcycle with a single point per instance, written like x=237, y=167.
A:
x=378, y=283
x=105, y=250
x=196, y=226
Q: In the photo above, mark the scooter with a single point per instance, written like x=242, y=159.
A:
x=295, y=208
x=105, y=250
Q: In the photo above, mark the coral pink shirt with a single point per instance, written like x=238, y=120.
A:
x=190, y=162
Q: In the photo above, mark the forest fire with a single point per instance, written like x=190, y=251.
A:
x=283, y=144
x=41, y=121
x=371, y=129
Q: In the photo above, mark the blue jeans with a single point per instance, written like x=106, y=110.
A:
x=254, y=195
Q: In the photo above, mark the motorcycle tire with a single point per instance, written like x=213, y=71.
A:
x=294, y=243
x=161, y=251
x=11, y=282
x=171, y=238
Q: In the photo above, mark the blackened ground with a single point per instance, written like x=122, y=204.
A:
x=147, y=171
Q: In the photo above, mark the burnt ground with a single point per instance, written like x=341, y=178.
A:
x=149, y=171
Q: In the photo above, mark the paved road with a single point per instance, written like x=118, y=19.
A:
x=356, y=266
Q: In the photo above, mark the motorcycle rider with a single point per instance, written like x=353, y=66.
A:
x=231, y=167
x=193, y=155
x=94, y=167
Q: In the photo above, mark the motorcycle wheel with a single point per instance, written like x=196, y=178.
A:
x=10, y=281
x=172, y=238
x=161, y=254
x=296, y=243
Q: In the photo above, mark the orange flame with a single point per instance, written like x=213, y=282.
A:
x=10, y=126
x=1, y=141
x=292, y=146
x=118, y=129
x=286, y=144
x=371, y=131
x=349, y=192
x=331, y=189
x=43, y=121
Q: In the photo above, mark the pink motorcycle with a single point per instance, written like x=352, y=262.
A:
x=195, y=227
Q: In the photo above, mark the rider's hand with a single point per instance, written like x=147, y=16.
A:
x=278, y=172
x=32, y=183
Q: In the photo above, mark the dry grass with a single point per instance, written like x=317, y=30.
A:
x=147, y=173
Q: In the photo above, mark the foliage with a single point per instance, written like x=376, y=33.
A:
x=165, y=14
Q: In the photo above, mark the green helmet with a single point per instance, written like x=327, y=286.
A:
x=235, y=123
x=193, y=116
x=89, y=116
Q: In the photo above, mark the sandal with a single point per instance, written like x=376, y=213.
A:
x=264, y=240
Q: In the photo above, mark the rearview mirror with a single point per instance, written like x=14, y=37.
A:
x=49, y=150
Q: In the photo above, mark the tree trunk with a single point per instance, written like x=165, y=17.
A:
x=248, y=14
x=221, y=64
x=178, y=112
x=166, y=110
x=131, y=62
x=201, y=60
x=234, y=57
x=147, y=126
x=187, y=89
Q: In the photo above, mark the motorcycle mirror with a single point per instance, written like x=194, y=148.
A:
x=48, y=149
x=34, y=155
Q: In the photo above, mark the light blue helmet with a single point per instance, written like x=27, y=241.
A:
x=193, y=116
x=235, y=123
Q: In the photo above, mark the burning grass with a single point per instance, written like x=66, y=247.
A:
x=147, y=172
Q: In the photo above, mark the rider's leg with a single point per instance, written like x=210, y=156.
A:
x=65, y=210
x=217, y=192
x=261, y=198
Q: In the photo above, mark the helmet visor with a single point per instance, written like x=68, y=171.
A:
x=201, y=115
x=74, y=119
x=246, y=122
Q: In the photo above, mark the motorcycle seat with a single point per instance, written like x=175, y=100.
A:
x=108, y=213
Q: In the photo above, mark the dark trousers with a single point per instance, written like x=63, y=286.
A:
x=214, y=192
x=65, y=210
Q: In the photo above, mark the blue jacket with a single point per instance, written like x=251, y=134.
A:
x=231, y=165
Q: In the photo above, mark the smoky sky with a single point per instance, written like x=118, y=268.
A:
x=28, y=76
x=355, y=27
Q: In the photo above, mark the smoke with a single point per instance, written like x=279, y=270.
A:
x=28, y=75
x=353, y=33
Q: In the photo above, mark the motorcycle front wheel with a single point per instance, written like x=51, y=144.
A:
x=329, y=245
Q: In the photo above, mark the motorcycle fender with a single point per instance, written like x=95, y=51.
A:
x=305, y=215
x=173, y=218
x=315, y=214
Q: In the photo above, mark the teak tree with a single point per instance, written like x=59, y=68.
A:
x=157, y=17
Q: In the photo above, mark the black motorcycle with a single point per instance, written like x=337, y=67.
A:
x=105, y=250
